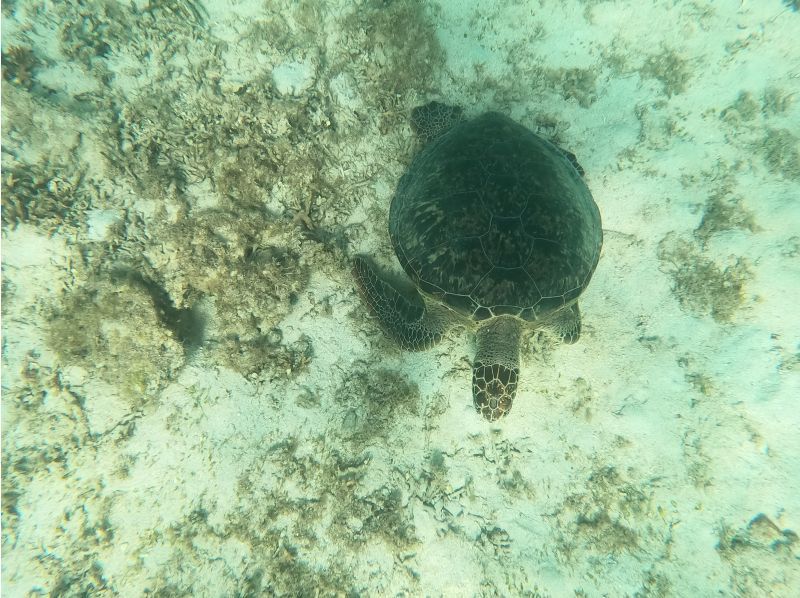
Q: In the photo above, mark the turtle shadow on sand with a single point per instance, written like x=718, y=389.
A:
x=496, y=229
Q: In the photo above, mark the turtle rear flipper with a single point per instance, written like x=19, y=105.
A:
x=495, y=371
x=403, y=315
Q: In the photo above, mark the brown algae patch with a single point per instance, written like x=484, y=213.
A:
x=373, y=400
x=762, y=557
x=781, y=154
x=114, y=333
x=607, y=515
x=724, y=211
x=702, y=286
x=669, y=69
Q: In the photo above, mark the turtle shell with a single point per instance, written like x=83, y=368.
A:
x=492, y=219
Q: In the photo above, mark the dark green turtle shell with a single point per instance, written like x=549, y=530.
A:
x=492, y=219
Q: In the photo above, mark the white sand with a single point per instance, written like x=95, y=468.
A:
x=658, y=456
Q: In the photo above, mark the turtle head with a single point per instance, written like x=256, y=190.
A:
x=495, y=371
x=493, y=389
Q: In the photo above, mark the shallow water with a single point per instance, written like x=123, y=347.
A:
x=196, y=402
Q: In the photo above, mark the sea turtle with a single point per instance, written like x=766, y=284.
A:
x=496, y=229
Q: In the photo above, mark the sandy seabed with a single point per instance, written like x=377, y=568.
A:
x=196, y=403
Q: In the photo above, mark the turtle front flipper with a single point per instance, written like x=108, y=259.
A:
x=495, y=371
x=434, y=119
x=567, y=324
x=402, y=315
